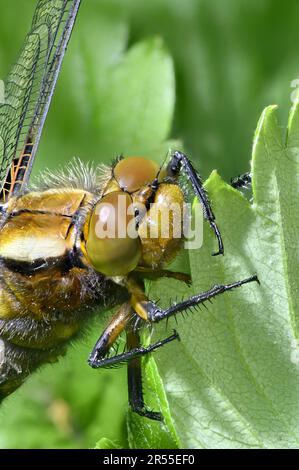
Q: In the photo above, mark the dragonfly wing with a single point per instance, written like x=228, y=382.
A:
x=28, y=91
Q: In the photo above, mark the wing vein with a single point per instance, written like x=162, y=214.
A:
x=29, y=90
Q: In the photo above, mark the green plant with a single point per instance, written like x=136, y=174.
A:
x=234, y=382
x=233, y=379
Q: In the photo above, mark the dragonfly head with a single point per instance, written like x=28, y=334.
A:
x=118, y=232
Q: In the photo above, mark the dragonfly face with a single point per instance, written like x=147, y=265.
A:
x=117, y=232
x=68, y=247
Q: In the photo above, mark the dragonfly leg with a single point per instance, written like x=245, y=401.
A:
x=111, y=333
x=155, y=313
x=241, y=181
x=180, y=163
x=125, y=319
x=135, y=390
x=132, y=357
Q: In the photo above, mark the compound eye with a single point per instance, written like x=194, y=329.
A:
x=112, y=243
x=133, y=173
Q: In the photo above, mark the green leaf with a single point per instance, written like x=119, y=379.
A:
x=136, y=108
x=105, y=443
x=99, y=43
x=235, y=378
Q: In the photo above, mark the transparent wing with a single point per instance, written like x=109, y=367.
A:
x=28, y=91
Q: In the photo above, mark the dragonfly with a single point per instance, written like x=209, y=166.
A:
x=56, y=269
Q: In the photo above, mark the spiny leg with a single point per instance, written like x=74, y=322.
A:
x=124, y=319
x=179, y=162
x=241, y=181
x=101, y=361
x=156, y=314
x=97, y=359
x=135, y=390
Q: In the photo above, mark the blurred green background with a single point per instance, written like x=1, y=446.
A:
x=231, y=58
